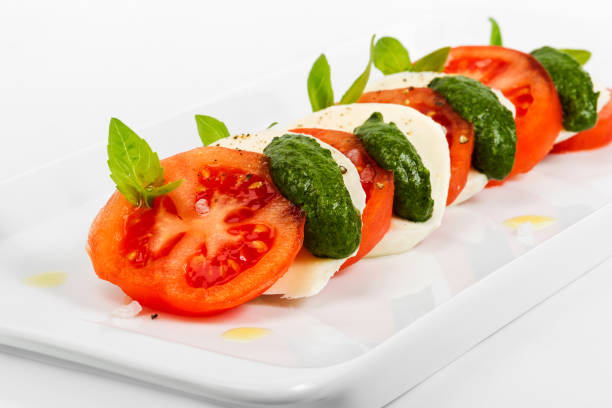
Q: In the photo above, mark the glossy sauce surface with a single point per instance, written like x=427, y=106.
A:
x=46, y=280
x=245, y=334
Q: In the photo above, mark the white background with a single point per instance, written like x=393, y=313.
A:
x=67, y=66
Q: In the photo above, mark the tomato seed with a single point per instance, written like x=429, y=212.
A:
x=233, y=264
x=259, y=228
x=260, y=246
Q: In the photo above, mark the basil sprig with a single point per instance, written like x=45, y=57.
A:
x=496, y=37
x=391, y=57
x=135, y=168
x=582, y=56
x=210, y=129
x=356, y=89
x=432, y=62
x=320, y=91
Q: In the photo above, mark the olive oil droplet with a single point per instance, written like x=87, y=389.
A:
x=245, y=334
x=46, y=280
x=538, y=221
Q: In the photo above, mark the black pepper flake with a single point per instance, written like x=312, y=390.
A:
x=248, y=176
x=438, y=103
x=154, y=316
x=343, y=169
x=410, y=88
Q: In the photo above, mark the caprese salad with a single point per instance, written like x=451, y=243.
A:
x=282, y=210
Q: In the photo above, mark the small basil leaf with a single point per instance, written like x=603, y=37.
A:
x=355, y=91
x=582, y=56
x=151, y=193
x=496, y=37
x=320, y=90
x=210, y=129
x=271, y=125
x=135, y=168
x=390, y=56
x=432, y=62
x=130, y=190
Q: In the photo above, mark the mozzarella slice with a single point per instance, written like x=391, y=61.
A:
x=602, y=100
x=430, y=142
x=308, y=274
x=476, y=181
x=403, y=80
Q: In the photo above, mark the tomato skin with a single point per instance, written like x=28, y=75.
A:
x=598, y=136
x=376, y=217
x=430, y=103
x=523, y=80
x=162, y=283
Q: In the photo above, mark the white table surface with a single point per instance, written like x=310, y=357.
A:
x=67, y=66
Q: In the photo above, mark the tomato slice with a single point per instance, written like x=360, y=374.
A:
x=525, y=82
x=376, y=182
x=219, y=240
x=594, y=138
x=459, y=132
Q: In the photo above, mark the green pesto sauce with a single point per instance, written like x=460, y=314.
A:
x=574, y=86
x=494, y=126
x=307, y=175
x=393, y=151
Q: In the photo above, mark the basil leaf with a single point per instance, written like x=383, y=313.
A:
x=582, y=56
x=135, y=168
x=355, y=91
x=390, y=56
x=127, y=187
x=432, y=62
x=271, y=125
x=496, y=37
x=210, y=129
x=320, y=90
x=151, y=193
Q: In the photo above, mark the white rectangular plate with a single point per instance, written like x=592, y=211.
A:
x=384, y=324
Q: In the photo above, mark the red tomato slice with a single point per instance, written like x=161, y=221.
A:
x=594, y=138
x=525, y=82
x=459, y=132
x=219, y=240
x=376, y=182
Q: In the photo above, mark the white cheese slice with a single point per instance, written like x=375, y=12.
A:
x=602, y=100
x=308, y=274
x=430, y=142
x=476, y=181
x=403, y=80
